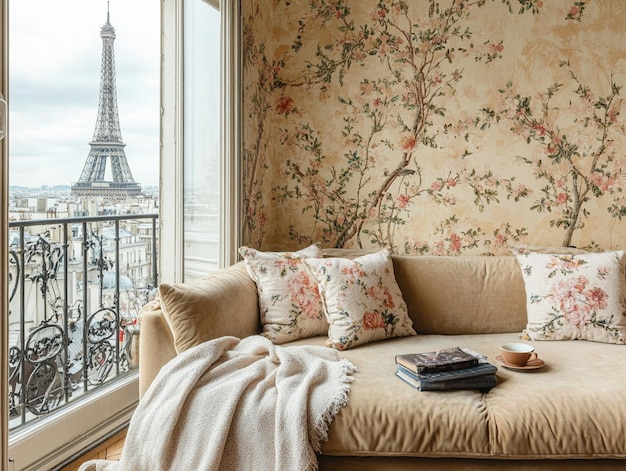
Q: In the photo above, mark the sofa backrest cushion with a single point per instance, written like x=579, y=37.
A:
x=462, y=294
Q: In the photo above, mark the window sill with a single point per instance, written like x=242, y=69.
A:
x=46, y=445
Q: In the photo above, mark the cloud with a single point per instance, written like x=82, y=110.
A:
x=54, y=81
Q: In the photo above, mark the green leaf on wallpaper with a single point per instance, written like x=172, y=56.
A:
x=596, y=190
x=539, y=207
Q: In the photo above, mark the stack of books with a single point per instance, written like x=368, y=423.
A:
x=449, y=368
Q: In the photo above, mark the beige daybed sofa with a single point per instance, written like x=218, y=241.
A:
x=570, y=414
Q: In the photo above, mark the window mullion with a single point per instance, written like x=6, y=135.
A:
x=172, y=175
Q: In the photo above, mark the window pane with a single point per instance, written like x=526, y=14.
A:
x=83, y=107
x=55, y=77
x=201, y=138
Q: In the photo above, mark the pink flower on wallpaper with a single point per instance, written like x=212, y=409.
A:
x=497, y=47
x=438, y=39
x=378, y=14
x=500, y=240
x=604, y=182
x=561, y=198
x=383, y=49
x=373, y=320
x=455, y=243
x=285, y=105
x=438, y=248
x=402, y=200
x=359, y=55
x=539, y=129
x=436, y=185
x=407, y=142
x=366, y=87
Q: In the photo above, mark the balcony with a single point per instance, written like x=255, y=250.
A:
x=76, y=286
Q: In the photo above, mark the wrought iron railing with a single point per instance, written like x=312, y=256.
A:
x=76, y=286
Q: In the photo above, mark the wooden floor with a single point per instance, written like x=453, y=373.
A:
x=109, y=450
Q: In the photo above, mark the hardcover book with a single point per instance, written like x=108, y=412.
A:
x=436, y=376
x=452, y=358
x=474, y=382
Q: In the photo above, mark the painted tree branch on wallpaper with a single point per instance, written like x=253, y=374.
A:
x=353, y=202
x=576, y=157
x=357, y=130
x=260, y=89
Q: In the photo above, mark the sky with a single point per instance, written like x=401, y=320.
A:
x=55, y=53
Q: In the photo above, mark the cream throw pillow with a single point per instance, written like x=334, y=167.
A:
x=289, y=301
x=581, y=296
x=362, y=299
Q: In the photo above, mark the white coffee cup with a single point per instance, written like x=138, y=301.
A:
x=518, y=354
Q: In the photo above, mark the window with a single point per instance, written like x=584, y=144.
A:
x=4, y=243
x=201, y=138
x=56, y=79
x=187, y=135
x=200, y=196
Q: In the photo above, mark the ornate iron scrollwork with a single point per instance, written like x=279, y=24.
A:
x=67, y=349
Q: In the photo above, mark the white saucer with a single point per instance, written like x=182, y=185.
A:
x=533, y=364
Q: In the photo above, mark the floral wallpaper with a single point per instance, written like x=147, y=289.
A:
x=434, y=127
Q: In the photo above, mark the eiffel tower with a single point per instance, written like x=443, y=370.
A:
x=107, y=144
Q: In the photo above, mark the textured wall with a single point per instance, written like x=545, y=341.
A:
x=450, y=127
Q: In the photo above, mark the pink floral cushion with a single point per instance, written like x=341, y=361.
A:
x=289, y=301
x=581, y=296
x=362, y=299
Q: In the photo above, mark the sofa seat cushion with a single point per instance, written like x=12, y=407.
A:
x=571, y=408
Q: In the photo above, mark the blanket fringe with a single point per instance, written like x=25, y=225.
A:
x=339, y=401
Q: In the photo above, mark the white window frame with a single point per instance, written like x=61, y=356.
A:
x=4, y=248
x=171, y=256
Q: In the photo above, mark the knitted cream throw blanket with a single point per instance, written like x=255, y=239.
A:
x=231, y=404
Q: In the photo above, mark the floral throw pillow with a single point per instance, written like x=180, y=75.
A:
x=362, y=299
x=581, y=296
x=289, y=301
